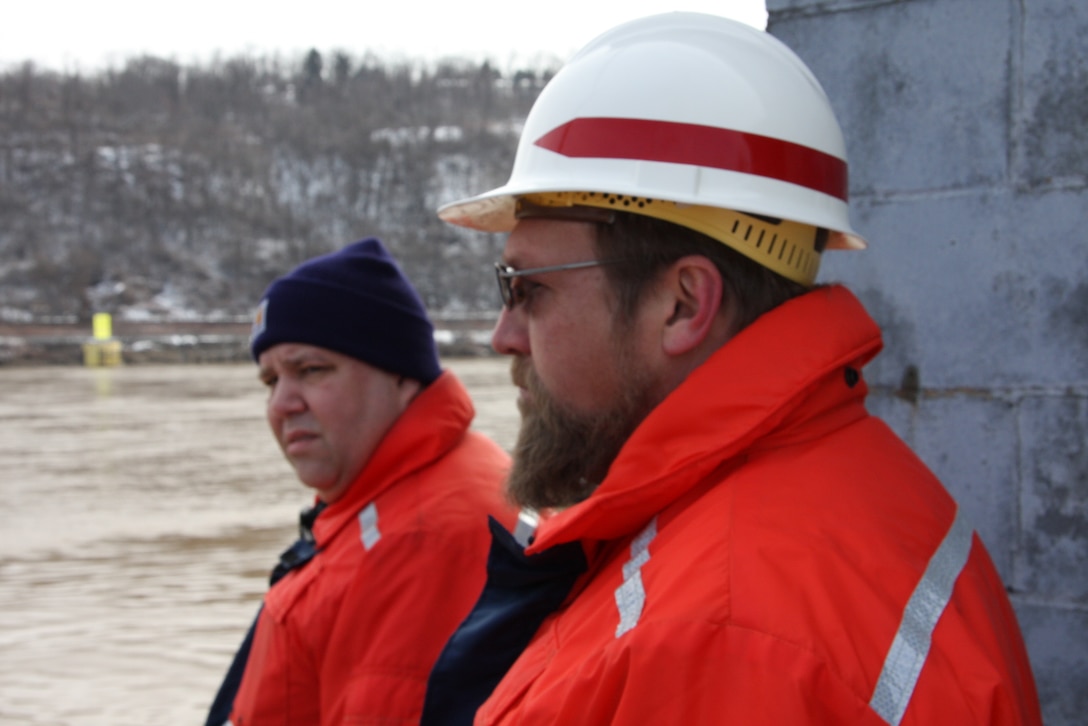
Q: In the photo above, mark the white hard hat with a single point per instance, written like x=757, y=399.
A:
x=681, y=116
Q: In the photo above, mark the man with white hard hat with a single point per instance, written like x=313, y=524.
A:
x=726, y=535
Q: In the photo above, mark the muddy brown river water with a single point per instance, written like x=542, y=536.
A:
x=143, y=507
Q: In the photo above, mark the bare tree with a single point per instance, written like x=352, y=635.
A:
x=208, y=180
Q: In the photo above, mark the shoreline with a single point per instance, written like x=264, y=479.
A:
x=195, y=342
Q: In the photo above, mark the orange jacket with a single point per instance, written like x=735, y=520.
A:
x=754, y=555
x=351, y=636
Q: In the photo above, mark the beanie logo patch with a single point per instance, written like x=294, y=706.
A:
x=259, y=320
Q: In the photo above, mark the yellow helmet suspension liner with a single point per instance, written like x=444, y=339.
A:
x=789, y=248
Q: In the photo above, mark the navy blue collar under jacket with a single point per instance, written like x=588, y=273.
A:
x=521, y=591
x=295, y=556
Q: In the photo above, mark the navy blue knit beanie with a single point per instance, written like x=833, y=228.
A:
x=357, y=302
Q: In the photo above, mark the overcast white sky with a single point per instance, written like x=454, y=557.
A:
x=86, y=35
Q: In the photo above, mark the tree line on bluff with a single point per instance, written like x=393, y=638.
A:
x=183, y=190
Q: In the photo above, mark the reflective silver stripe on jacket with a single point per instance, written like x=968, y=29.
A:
x=911, y=645
x=368, y=526
x=528, y=519
x=630, y=596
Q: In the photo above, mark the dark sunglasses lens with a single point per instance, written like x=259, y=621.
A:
x=504, y=286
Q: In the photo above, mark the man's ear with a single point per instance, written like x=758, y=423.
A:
x=693, y=286
x=407, y=389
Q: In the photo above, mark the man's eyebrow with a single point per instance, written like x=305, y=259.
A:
x=307, y=357
x=291, y=362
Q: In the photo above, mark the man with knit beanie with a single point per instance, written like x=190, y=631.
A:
x=392, y=556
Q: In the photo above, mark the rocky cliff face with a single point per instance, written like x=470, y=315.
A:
x=162, y=192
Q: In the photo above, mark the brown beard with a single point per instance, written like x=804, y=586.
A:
x=561, y=456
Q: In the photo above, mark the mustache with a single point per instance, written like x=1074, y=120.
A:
x=521, y=373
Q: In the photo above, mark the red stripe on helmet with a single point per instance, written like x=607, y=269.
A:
x=680, y=143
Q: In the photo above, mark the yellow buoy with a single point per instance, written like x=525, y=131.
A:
x=102, y=324
x=103, y=350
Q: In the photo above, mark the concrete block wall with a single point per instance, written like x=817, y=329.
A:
x=966, y=125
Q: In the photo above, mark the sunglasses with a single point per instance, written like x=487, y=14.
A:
x=513, y=295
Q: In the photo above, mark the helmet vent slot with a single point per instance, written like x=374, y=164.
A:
x=742, y=231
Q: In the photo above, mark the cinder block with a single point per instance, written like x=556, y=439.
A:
x=1051, y=145
x=984, y=289
x=1051, y=561
x=1057, y=643
x=920, y=88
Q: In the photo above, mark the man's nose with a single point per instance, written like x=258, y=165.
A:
x=285, y=398
x=510, y=336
